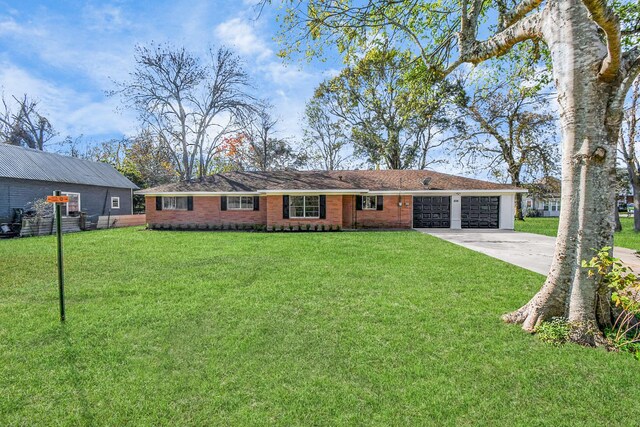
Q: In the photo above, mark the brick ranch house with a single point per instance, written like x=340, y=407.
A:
x=349, y=199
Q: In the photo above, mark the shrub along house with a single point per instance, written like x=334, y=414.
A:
x=348, y=199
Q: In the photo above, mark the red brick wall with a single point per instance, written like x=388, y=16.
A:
x=274, y=213
x=340, y=211
x=206, y=211
x=391, y=215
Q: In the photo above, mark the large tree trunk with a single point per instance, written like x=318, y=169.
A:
x=590, y=123
x=618, y=224
x=519, y=213
x=636, y=208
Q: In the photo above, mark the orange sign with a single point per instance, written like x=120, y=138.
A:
x=58, y=199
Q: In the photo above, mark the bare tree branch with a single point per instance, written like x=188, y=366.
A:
x=610, y=24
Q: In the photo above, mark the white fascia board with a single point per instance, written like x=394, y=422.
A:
x=428, y=192
x=327, y=191
x=201, y=193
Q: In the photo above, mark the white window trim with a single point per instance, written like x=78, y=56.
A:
x=304, y=207
x=164, y=208
x=66, y=207
x=375, y=203
x=240, y=208
x=118, y=201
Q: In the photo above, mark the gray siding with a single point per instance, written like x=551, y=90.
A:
x=95, y=201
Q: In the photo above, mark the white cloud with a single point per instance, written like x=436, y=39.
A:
x=10, y=28
x=239, y=34
x=70, y=112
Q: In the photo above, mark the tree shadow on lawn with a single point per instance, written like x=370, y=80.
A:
x=71, y=358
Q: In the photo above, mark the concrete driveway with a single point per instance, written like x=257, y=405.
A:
x=531, y=251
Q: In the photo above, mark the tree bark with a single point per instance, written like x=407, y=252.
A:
x=519, y=213
x=590, y=122
x=636, y=209
x=618, y=224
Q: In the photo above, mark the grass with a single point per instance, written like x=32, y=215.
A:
x=197, y=328
x=627, y=238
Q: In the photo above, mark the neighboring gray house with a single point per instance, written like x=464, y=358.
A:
x=543, y=198
x=94, y=188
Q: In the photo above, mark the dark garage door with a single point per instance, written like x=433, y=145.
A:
x=432, y=212
x=480, y=212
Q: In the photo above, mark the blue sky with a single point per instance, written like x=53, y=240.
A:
x=67, y=54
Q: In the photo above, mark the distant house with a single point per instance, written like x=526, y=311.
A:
x=543, y=198
x=345, y=199
x=94, y=188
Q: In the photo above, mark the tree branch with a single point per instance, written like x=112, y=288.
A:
x=610, y=24
x=474, y=51
x=517, y=13
x=630, y=69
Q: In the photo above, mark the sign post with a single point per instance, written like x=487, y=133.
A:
x=58, y=199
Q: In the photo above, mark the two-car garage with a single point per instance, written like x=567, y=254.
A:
x=474, y=211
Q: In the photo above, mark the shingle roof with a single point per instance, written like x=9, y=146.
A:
x=24, y=163
x=378, y=180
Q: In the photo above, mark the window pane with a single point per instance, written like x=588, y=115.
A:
x=312, y=201
x=312, y=211
x=181, y=203
x=296, y=201
x=369, y=202
x=247, y=202
x=312, y=206
x=168, y=203
x=74, y=202
x=233, y=202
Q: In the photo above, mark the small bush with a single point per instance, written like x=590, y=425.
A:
x=308, y=227
x=625, y=295
x=322, y=227
x=555, y=332
x=338, y=227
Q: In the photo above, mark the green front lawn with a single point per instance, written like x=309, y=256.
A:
x=627, y=238
x=202, y=328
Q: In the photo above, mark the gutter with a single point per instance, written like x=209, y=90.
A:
x=328, y=192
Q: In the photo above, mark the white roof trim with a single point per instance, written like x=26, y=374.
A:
x=200, y=193
x=321, y=191
x=329, y=191
x=427, y=192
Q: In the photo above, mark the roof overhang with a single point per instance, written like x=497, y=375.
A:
x=328, y=192
x=198, y=193
x=427, y=192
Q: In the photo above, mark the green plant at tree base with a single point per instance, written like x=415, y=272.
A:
x=556, y=331
x=624, y=286
x=625, y=294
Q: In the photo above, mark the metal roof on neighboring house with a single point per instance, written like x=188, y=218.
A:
x=414, y=181
x=25, y=163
